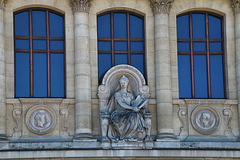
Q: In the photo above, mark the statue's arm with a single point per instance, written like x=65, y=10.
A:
x=122, y=103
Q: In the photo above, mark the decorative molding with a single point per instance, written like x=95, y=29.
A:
x=80, y=5
x=227, y=116
x=236, y=6
x=17, y=117
x=161, y=6
x=2, y=3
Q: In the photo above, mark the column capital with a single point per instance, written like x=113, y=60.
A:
x=2, y=3
x=236, y=6
x=161, y=6
x=80, y=5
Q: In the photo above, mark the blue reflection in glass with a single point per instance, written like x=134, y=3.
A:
x=55, y=25
x=104, y=26
x=39, y=23
x=57, y=74
x=199, y=46
x=120, y=59
x=216, y=71
x=198, y=23
x=184, y=76
x=22, y=24
x=215, y=27
x=120, y=46
x=56, y=45
x=200, y=76
x=183, y=46
x=137, y=62
x=22, y=69
x=39, y=74
x=136, y=27
x=183, y=27
x=104, y=63
x=104, y=46
x=215, y=46
x=39, y=44
x=21, y=44
x=120, y=25
x=136, y=46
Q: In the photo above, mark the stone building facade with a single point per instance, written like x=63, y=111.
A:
x=181, y=128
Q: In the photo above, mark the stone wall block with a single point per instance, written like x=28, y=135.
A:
x=81, y=43
x=164, y=96
x=83, y=95
x=82, y=82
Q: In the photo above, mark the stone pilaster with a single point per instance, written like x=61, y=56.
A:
x=163, y=69
x=83, y=115
x=2, y=75
x=236, y=10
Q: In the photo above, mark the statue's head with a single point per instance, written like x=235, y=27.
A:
x=124, y=81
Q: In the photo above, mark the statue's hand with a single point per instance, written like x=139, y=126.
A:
x=136, y=109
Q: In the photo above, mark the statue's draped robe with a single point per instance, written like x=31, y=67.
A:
x=125, y=123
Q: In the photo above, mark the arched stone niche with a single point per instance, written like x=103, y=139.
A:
x=110, y=85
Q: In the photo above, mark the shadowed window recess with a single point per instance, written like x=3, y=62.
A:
x=200, y=55
x=120, y=41
x=39, y=53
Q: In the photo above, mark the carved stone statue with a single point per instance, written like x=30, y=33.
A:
x=123, y=105
x=126, y=114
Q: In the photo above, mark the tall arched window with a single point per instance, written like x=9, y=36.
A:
x=39, y=53
x=120, y=41
x=200, y=55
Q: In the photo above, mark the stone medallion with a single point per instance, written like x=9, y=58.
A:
x=205, y=119
x=40, y=119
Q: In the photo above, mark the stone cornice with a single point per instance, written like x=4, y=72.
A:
x=161, y=6
x=80, y=5
x=236, y=6
x=2, y=3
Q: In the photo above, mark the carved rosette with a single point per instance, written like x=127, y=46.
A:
x=161, y=6
x=80, y=5
x=2, y=3
x=205, y=119
x=236, y=6
x=40, y=119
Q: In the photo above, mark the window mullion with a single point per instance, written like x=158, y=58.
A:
x=112, y=41
x=191, y=55
x=208, y=58
x=31, y=52
x=128, y=38
x=48, y=56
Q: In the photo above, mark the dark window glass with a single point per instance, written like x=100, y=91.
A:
x=215, y=27
x=104, y=63
x=184, y=76
x=200, y=55
x=39, y=23
x=137, y=62
x=120, y=41
x=22, y=69
x=137, y=46
x=21, y=44
x=216, y=70
x=120, y=59
x=57, y=75
x=21, y=24
x=39, y=44
x=104, y=26
x=198, y=25
x=55, y=25
x=120, y=25
x=39, y=72
x=136, y=27
x=183, y=27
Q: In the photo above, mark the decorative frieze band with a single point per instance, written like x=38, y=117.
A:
x=80, y=5
x=2, y=3
x=161, y=6
x=236, y=6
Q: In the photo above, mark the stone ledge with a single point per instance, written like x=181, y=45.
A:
x=205, y=101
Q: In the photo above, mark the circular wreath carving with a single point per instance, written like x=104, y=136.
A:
x=40, y=119
x=205, y=119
